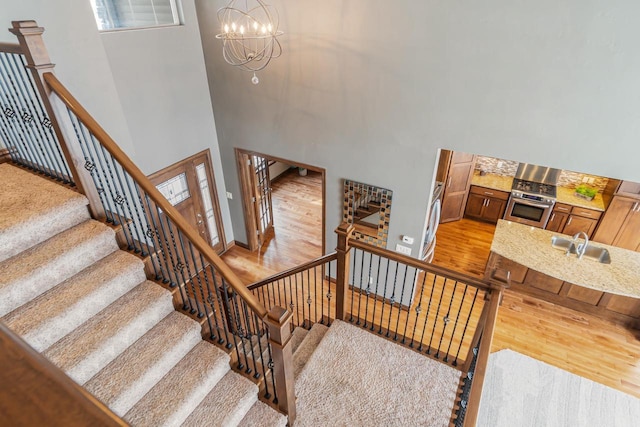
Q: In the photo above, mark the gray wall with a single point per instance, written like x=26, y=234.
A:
x=147, y=88
x=370, y=90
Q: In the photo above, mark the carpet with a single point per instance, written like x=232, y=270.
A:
x=356, y=378
x=521, y=391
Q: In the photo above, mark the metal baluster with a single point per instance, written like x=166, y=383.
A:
x=309, y=300
x=304, y=319
x=240, y=366
x=384, y=295
x=435, y=320
x=368, y=292
x=197, y=277
x=375, y=298
x=354, y=284
x=211, y=302
x=104, y=191
x=260, y=332
x=269, y=303
x=13, y=105
x=55, y=171
x=426, y=318
x=139, y=224
x=329, y=296
x=322, y=296
x=154, y=234
x=446, y=319
x=353, y=281
x=393, y=299
x=419, y=308
x=189, y=275
x=249, y=335
x=178, y=266
x=466, y=324
x=277, y=284
x=46, y=122
x=218, y=291
x=273, y=377
x=315, y=293
x=455, y=324
x=404, y=281
x=406, y=324
x=291, y=304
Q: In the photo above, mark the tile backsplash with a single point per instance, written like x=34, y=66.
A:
x=567, y=178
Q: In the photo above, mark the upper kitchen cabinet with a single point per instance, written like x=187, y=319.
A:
x=456, y=170
x=628, y=188
x=620, y=225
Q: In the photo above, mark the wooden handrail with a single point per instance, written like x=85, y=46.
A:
x=294, y=270
x=107, y=142
x=415, y=263
x=473, y=402
x=35, y=392
x=10, y=48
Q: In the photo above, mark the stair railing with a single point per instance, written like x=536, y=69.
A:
x=440, y=313
x=148, y=225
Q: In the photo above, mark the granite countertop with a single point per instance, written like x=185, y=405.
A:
x=531, y=247
x=567, y=195
x=493, y=181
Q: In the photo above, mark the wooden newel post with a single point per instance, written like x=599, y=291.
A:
x=344, y=232
x=29, y=37
x=279, y=323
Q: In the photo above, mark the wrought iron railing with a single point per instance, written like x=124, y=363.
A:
x=25, y=126
x=306, y=291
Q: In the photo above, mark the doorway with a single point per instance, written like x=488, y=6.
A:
x=255, y=173
x=189, y=185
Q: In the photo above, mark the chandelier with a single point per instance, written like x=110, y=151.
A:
x=249, y=31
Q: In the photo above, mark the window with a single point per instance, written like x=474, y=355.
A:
x=123, y=14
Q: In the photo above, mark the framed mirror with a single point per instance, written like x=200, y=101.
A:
x=368, y=208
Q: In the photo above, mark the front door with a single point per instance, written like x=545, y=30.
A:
x=189, y=186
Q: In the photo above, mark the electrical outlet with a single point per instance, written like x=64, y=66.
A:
x=500, y=163
x=370, y=280
x=585, y=179
x=403, y=249
x=408, y=240
x=229, y=195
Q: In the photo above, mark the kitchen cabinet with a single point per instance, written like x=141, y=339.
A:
x=559, y=217
x=581, y=219
x=629, y=188
x=620, y=225
x=459, y=167
x=486, y=204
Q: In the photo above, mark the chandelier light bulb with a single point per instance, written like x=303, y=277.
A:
x=269, y=27
x=255, y=26
x=241, y=29
x=233, y=27
x=264, y=29
x=226, y=28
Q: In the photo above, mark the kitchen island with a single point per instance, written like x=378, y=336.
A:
x=609, y=290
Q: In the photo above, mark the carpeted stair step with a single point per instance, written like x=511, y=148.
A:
x=35, y=271
x=263, y=415
x=34, y=209
x=179, y=392
x=60, y=310
x=307, y=347
x=226, y=404
x=134, y=372
x=89, y=348
x=297, y=337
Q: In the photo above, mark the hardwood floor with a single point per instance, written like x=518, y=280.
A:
x=297, y=237
x=579, y=343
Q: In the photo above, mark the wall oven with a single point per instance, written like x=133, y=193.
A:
x=529, y=209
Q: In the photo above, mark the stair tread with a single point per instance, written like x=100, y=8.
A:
x=133, y=373
x=35, y=271
x=46, y=319
x=297, y=337
x=307, y=347
x=30, y=202
x=263, y=415
x=181, y=390
x=90, y=347
x=226, y=404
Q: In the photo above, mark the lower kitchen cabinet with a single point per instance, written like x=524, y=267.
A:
x=620, y=225
x=486, y=204
x=557, y=221
x=576, y=223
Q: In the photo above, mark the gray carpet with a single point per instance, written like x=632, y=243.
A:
x=521, y=391
x=373, y=382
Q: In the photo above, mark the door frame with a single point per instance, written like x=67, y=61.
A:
x=250, y=219
x=162, y=174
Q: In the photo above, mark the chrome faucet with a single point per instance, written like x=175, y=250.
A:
x=581, y=249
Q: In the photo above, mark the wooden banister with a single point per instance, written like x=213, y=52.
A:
x=416, y=263
x=143, y=182
x=295, y=270
x=35, y=392
x=279, y=323
x=10, y=48
x=473, y=402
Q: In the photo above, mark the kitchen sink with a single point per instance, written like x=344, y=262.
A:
x=592, y=252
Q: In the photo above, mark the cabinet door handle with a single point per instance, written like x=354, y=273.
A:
x=488, y=193
x=488, y=200
x=562, y=209
x=635, y=207
x=569, y=222
x=553, y=215
x=449, y=183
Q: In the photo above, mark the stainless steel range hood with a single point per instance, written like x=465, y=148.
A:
x=541, y=174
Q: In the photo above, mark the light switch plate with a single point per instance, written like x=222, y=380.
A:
x=408, y=240
x=229, y=195
x=403, y=249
